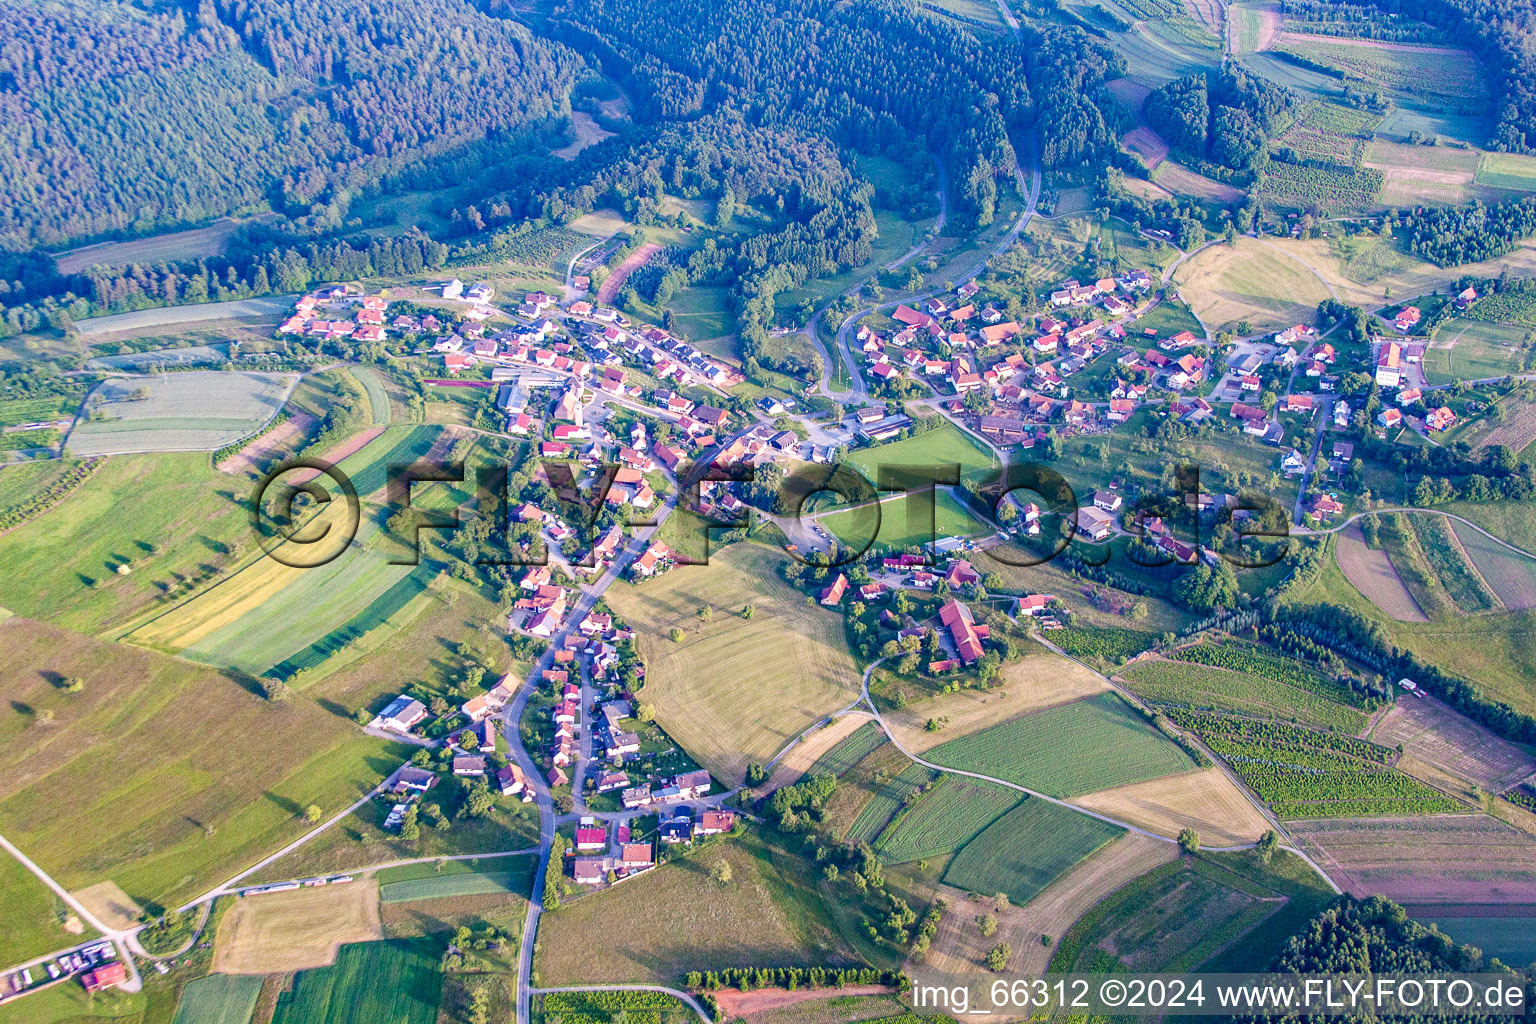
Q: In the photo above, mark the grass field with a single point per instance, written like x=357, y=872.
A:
x=903, y=522
x=679, y=919
x=160, y=775
x=290, y=931
x=714, y=692
x=502, y=874
x=941, y=446
x=945, y=818
x=34, y=918
x=1250, y=281
x=1511, y=576
x=396, y=981
x=1026, y=849
x=1040, y=680
x=1432, y=77
x=1469, y=349
x=168, y=318
x=195, y=411
x=1064, y=751
x=1507, y=170
x=848, y=751
x=219, y=999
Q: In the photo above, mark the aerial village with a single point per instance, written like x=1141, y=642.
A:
x=565, y=378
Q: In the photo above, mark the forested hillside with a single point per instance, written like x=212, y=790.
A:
x=116, y=118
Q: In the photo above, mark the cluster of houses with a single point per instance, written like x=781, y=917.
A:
x=95, y=964
x=1392, y=360
x=684, y=786
x=336, y=312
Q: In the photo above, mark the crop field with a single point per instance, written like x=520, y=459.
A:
x=1182, y=685
x=1206, y=801
x=181, y=411
x=169, y=317
x=1330, y=189
x=679, y=919
x=290, y=931
x=1414, y=565
x=509, y=875
x=118, y=786
x=1511, y=576
x=1470, y=349
x=1060, y=751
x=219, y=999
x=886, y=800
x=1508, y=933
x=903, y=522
x=1252, y=27
x=1435, y=75
x=1032, y=683
x=1507, y=170
x=1374, y=575
x=714, y=692
x=1172, y=918
x=943, y=445
x=1331, y=133
x=270, y=615
x=1305, y=773
x=1424, y=174
x=1250, y=281
x=396, y=981
x=849, y=751
x=1433, y=732
x=1177, y=178
x=368, y=466
x=1438, y=859
x=34, y=917
x=1026, y=850
x=945, y=818
x=861, y=784
x=1449, y=562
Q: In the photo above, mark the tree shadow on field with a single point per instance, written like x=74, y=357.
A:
x=291, y=806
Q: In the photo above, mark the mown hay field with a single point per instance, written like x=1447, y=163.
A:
x=1206, y=801
x=194, y=411
x=715, y=692
x=945, y=818
x=160, y=775
x=219, y=999
x=1081, y=747
x=396, y=981
x=1026, y=849
x=31, y=912
x=1507, y=170
x=298, y=929
x=1249, y=281
x=833, y=749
